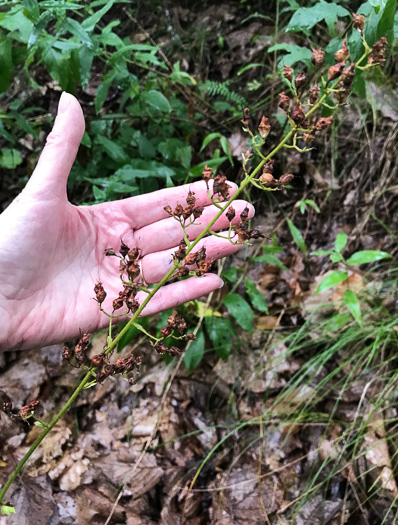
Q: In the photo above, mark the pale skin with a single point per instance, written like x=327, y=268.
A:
x=52, y=252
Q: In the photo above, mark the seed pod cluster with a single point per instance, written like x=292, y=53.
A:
x=242, y=230
x=190, y=211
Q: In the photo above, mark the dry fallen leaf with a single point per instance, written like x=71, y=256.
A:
x=266, y=322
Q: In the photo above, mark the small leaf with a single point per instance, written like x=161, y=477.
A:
x=10, y=158
x=321, y=252
x=302, y=207
x=194, y=355
x=297, y=237
x=367, y=256
x=313, y=204
x=351, y=300
x=40, y=424
x=336, y=257
x=331, y=280
x=256, y=296
x=240, y=310
x=157, y=100
x=219, y=330
x=6, y=510
x=340, y=242
x=269, y=259
x=230, y=275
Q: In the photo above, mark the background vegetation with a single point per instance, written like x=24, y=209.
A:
x=288, y=397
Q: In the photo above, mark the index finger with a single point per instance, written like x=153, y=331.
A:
x=149, y=208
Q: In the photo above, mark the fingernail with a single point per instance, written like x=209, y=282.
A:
x=64, y=103
x=222, y=284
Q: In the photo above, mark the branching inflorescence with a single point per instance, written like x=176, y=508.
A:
x=303, y=108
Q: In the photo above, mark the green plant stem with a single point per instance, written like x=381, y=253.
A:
x=132, y=321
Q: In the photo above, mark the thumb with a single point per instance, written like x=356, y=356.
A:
x=52, y=171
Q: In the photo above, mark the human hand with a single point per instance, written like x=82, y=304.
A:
x=52, y=252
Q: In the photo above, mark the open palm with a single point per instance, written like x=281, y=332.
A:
x=52, y=252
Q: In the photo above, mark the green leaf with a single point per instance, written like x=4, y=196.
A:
x=194, y=355
x=86, y=57
x=6, y=510
x=340, y=242
x=305, y=18
x=386, y=24
x=157, y=100
x=219, y=330
x=77, y=30
x=10, y=158
x=240, y=310
x=351, y=300
x=6, y=65
x=90, y=22
x=297, y=237
x=313, y=204
x=113, y=149
x=256, y=296
x=99, y=195
x=269, y=259
x=331, y=280
x=321, y=252
x=102, y=92
x=367, y=256
x=295, y=54
x=230, y=275
x=40, y=424
x=336, y=257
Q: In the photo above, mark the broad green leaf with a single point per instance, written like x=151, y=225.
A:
x=351, y=300
x=15, y=20
x=240, y=310
x=194, y=355
x=355, y=45
x=6, y=65
x=269, y=259
x=102, y=92
x=230, y=275
x=331, y=280
x=44, y=19
x=313, y=204
x=297, y=237
x=336, y=322
x=10, y=158
x=340, y=242
x=219, y=330
x=256, y=297
x=113, y=149
x=305, y=18
x=146, y=148
x=367, y=256
x=321, y=252
x=157, y=100
x=386, y=24
x=336, y=257
x=86, y=56
x=295, y=54
x=99, y=195
x=77, y=30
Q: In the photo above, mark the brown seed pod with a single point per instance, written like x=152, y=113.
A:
x=191, y=337
x=230, y=213
x=377, y=54
x=288, y=73
x=117, y=303
x=168, y=209
x=335, y=71
x=269, y=166
x=179, y=210
x=207, y=173
x=323, y=123
x=318, y=57
x=309, y=137
x=298, y=115
x=133, y=254
x=246, y=118
x=197, y=212
x=109, y=252
x=176, y=320
x=27, y=409
x=268, y=180
x=132, y=304
x=313, y=93
x=300, y=79
x=183, y=271
x=286, y=179
x=97, y=359
x=109, y=370
x=100, y=293
x=66, y=352
x=166, y=331
x=190, y=259
x=201, y=255
x=343, y=54
x=284, y=101
x=359, y=22
x=187, y=212
x=264, y=128
x=124, y=249
x=244, y=216
x=133, y=270
x=191, y=199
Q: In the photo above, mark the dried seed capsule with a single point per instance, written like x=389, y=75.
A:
x=100, y=293
x=348, y=74
x=183, y=271
x=109, y=370
x=168, y=209
x=160, y=348
x=286, y=179
x=300, y=79
x=220, y=186
x=197, y=212
x=133, y=270
x=176, y=320
x=133, y=254
x=191, y=337
x=288, y=73
x=298, y=115
x=248, y=154
x=124, y=249
x=97, y=359
x=191, y=199
x=187, y=212
x=284, y=101
x=335, y=71
x=342, y=96
x=264, y=128
x=179, y=210
x=313, y=93
x=246, y=118
x=109, y=252
x=359, y=22
x=244, y=216
x=190, y=259
x=27, y=409
x=132, y=304
x=343, y=54
x=269, y=166
x=166, y=331
x=181, y=252
x=323, y=123
x=318, y=57
x=377, y=54
x=66, y=352
x=117, y=303
x=207, y=173
x=268, y=180
x=201, y=255
x=255, y=233
x=230, y=213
